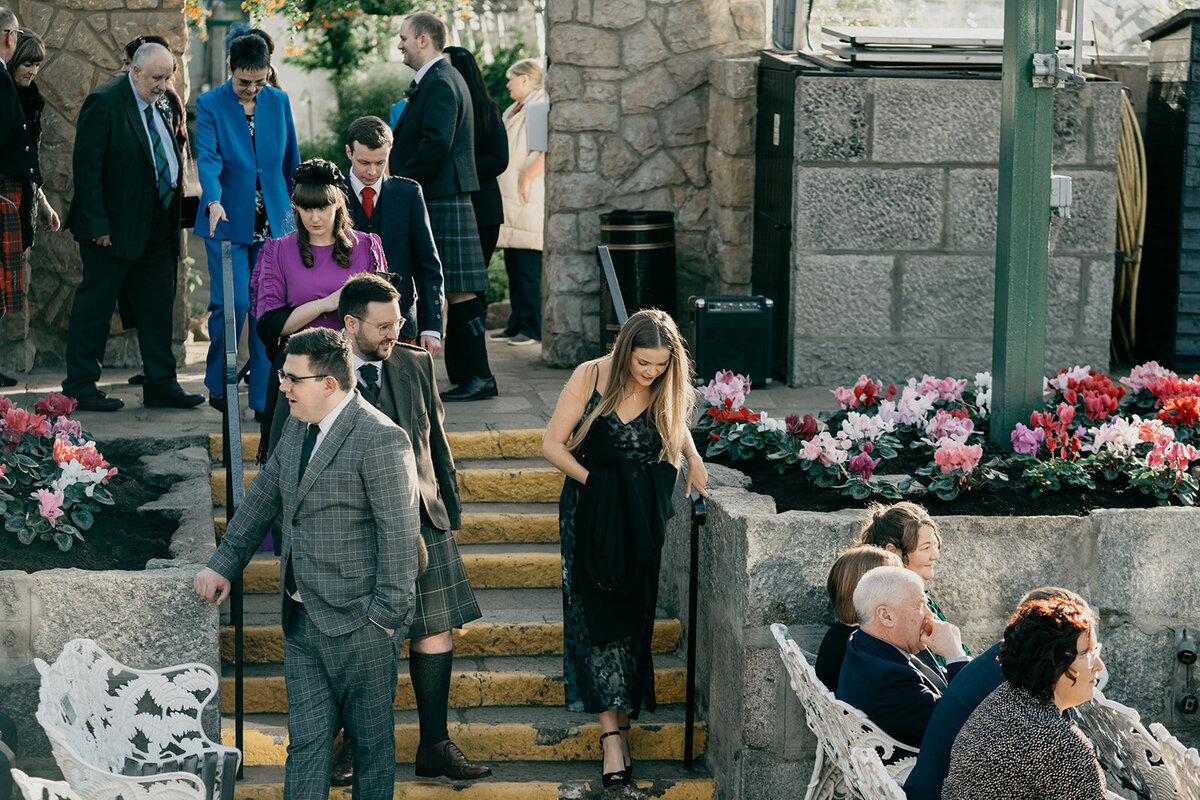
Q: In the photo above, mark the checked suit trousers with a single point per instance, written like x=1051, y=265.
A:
x=336, y=679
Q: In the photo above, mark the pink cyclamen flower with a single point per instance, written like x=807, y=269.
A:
x=944, y=425
x=1026, y=441
x=50, y=505
x=946, y=389
x=1143, y=375
x=55, y=405
x=726, y=390
x=862, y=464
x=1066, y=413
x=67, y=429
x=951, y=455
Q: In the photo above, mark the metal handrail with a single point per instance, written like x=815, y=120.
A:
x=699, y=517
x=231, y=429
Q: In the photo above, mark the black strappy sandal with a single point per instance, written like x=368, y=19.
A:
x=618, y=778
x=629, y=762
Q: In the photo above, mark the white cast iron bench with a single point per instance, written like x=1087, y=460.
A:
x=116, y=730
x=839, y=728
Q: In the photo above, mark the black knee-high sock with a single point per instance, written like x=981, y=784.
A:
x=475, y=342
x=431, y=683
x=457, y=315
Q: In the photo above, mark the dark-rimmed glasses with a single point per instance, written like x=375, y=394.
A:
x=286, y=378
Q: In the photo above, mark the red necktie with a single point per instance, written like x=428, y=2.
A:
x=368, y=200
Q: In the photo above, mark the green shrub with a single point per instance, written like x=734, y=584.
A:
x=372, y=95
x=327, y=147
x=494, y=72
x=497, y=278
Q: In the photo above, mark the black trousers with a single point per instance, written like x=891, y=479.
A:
x=524, y=268
x=151, y=292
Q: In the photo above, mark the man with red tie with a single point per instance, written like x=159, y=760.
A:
x=394, y=209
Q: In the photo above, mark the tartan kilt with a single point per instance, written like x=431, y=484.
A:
x=445, y=599
x=456, y=235
x=12, y=271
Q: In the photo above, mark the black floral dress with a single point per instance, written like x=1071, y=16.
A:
x=617, y=674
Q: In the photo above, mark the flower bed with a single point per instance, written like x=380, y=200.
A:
x=1094, y=444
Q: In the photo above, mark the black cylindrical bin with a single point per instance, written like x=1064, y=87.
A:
x=642, y=246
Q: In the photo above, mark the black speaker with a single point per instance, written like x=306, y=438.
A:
x=732, y=333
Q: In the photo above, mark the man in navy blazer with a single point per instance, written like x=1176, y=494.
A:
x=889, y=673
x=397, y=215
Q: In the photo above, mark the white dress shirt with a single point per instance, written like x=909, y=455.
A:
x=161, y=126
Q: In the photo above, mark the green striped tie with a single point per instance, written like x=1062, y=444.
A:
x=161, y=166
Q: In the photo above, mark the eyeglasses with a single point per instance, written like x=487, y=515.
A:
x=286, y=378
x=384, y=328
x=1092, y=654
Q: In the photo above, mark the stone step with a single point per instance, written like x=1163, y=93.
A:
x=520, y=566
x=489, y=485
x=263, y=644
x=514, y=780
x=524, y=443
x=497, y=735
x=516, y=523
x=536, y=681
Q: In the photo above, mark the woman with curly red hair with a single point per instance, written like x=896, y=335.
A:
x=1018, y=744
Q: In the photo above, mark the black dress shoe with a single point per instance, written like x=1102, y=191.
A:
x=475, y=389
x=175, y=397
x=6, y=380
x=444, y=758
x=343, y=766
x=96, y=400
x=137, y=380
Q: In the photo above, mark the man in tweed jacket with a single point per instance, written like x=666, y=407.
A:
x=344, y=480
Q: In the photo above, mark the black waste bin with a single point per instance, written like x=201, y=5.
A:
x=642, y=246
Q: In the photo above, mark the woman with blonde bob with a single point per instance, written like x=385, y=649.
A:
x=619, y=434
x=844, y=576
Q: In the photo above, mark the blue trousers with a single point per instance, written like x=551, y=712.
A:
x=244, y=256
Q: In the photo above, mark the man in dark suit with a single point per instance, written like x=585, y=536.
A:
x=435, y=146
x=345, y=482
x=394, y=210
x=974, y=683
x=889, y=673
x=18, y=178
x=125, y=216
x=398, y=379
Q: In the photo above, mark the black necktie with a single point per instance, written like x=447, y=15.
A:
x=411, y=90
x=310, y=441
x=370, y=378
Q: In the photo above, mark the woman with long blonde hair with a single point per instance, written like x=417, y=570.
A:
x=619, y=433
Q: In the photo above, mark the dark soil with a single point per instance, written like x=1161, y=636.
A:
x=121, y=538
x=792, y=491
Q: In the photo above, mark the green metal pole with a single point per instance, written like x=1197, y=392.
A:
x=1023, y=219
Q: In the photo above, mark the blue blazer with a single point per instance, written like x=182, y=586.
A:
x=228, y=164
x=894, y=691
x=976, y=681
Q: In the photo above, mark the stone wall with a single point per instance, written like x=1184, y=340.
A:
x=732, y=108
x=83, y=40
x=758, y=567
x=629, y=88
x=894, y=227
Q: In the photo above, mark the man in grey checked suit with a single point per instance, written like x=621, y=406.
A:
x=398, y=379
x=344, y=480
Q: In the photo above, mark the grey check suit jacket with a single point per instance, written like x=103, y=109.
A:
x=351, y=527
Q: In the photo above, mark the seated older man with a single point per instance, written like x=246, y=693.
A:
x=889, y=672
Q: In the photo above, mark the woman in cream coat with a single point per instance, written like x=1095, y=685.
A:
x=523, y=188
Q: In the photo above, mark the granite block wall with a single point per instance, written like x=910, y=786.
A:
x=894, y=234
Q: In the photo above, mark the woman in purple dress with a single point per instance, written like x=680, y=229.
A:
x=299, y=277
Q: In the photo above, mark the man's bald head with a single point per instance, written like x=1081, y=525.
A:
x=9, y=30
x=151, y=71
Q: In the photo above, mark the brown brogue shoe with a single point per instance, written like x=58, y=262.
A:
x=444, y=758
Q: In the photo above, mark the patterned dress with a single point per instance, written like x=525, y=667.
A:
x=617, y=674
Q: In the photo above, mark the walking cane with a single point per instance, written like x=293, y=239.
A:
x=699, y=517
x=231, y=427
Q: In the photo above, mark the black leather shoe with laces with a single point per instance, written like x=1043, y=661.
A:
x=444, y=758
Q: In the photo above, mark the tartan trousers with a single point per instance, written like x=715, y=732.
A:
x=334, y=679
x=12, y=271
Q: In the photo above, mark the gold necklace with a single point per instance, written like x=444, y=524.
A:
x=629, y=394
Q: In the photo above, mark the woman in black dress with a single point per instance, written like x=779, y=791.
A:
x=844, y=576
x=619, y=433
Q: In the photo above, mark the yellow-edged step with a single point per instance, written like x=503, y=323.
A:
x=485, y=570
x=525, y=443
x=527, y=485
x=263, y=644
x=684, y=789
x=490, y=528
x=468, y=689
x=266, y=745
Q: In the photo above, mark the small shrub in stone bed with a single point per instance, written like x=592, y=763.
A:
x=1095, y=444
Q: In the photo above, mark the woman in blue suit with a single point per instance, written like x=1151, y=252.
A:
x=245, y=153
